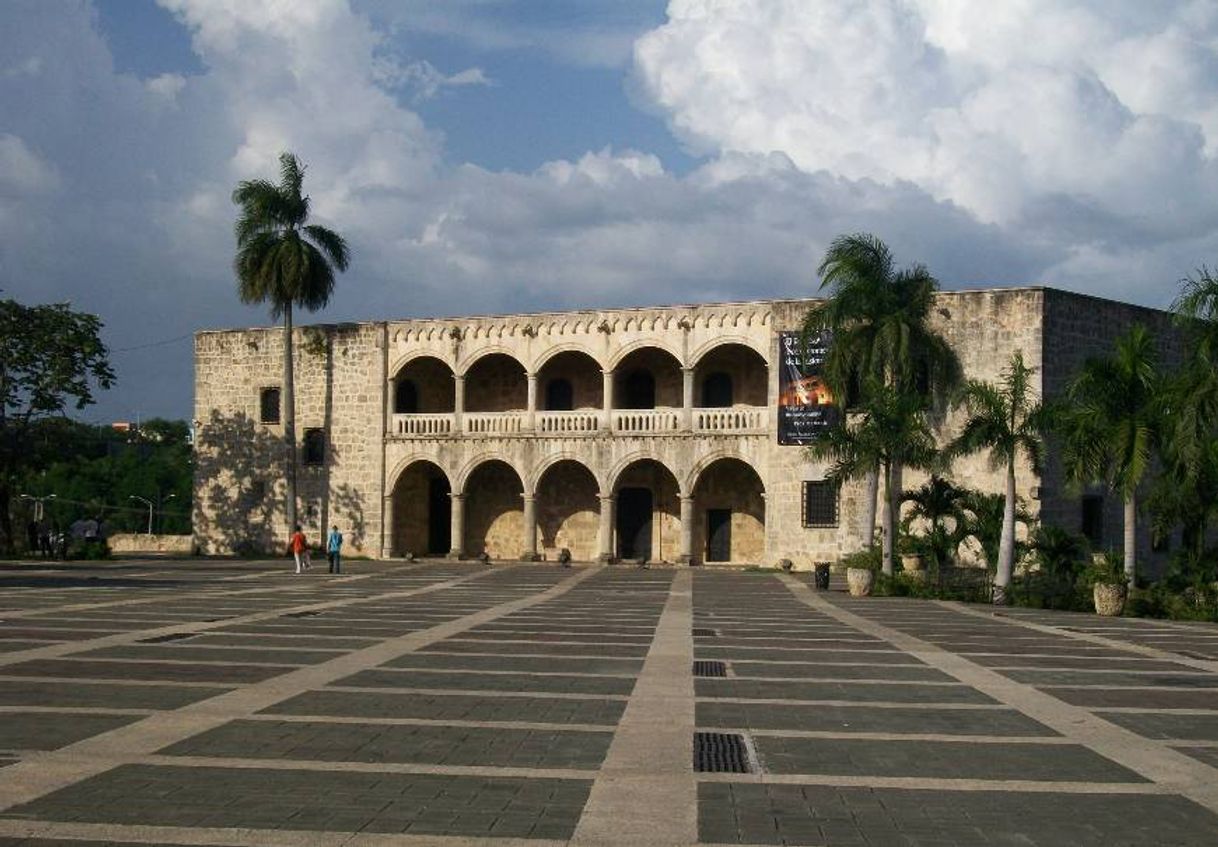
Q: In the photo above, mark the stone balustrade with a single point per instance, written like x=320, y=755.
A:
x=646, y=421
x=493, y=423
x=733, y=420
x=561, y=423
x=736, y=420
x=422, y=425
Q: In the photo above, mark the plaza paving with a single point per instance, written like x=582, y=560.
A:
x=459, y=704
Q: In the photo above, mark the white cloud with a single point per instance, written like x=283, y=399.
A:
x=1113, y=104
x=1026, y=150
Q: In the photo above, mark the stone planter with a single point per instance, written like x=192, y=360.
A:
x=912, y=562
x=860, y=581
x=1109, y=599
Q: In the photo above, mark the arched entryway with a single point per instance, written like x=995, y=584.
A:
x=496, y=383
x=568, y=381
x=728, y=375
x=647, y=378
x=424, y=386
x=568, y=511
x=729, y=514
x=647, y=523
x=422, y=511
x=494, y=511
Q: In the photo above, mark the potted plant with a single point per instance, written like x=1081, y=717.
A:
x=860, y=569
x=1109, y=583
x=913, y=553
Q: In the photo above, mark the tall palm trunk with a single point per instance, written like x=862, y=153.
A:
x=1006, y=544
x=873, y=490
x=1131, y=536
x=890, y=518
x=289, y=420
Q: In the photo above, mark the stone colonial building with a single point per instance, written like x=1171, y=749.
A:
x=618, y=434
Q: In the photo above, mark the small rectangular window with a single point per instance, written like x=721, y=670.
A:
x=820, y=503
x=1093, y=518
x=268, y=405
x=314, y=446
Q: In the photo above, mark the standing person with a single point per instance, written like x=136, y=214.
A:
x=334, y=546
x=300, y=550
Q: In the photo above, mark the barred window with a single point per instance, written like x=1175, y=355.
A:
x=820, y=503
x=268, y=405
x=314, y=446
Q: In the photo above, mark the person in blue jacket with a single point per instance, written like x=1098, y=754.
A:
x=334, y=547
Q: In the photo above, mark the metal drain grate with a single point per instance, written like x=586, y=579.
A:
x=161, y=639
x=704, y=668
x=704, y=632
x=720, y=752
x=311, y=614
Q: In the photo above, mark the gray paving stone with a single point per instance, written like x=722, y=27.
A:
x=28, y=692
x=489, y=682
x=1167, y=725
x=862, y=718
x=793, y=814
x=151, y=671
x=463, y=707
x=938, y=759
x=183, y=653
x=50, y=730
x=809, y=670
x=1136, y=698
x=524, y=664
x=440, y=745
x=857, y=691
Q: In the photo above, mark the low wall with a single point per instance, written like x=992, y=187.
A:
x=141, y=543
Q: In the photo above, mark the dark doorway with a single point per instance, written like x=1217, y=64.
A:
x=634, y=508
x=718, y=535
x=405, y=398
x=559, y=396
x=640, y=391
x=439, y=517
x=717, y=391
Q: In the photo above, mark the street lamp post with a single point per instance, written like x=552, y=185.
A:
x=161, y=510
x=38, y=501
x=147, y=503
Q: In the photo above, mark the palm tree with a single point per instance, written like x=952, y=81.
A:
x=284, y=261
x=984, y=514
x=877, y=318
x=1111, y=424
x=936, y=501
x=890, y=431
x=1007, y=420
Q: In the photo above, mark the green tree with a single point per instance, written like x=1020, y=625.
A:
x=878, y=318
x=50, y=359
x=1006, y=420
x=939, y=503
x=984, y=517
x=286, y=262
x=889, y=431
x=1111, y=424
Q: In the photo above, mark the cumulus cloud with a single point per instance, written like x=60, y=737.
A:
x=1110, y=106
x=1059, y=142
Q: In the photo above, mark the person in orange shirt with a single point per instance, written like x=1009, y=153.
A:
x=300, y=550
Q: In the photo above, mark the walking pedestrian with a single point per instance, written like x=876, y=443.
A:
x=299, y=546
x=334, y=547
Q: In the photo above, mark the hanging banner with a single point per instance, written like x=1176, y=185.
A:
x=805, y=406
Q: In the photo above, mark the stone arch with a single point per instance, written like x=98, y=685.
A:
x=583, y=375
x=648, y=377
x=403, y=465
x=461, y=478
x=421, y=509
x=758, y=347
x=550, y=352
x=470, y=359
x=691, y=479
x=633, y=346
x=741, y=364
x=613, y=478
x=496, y=381
x=567, y=508
x=729, y=511
x=432, y=379
x=540, y=468
x=647, y=523
x=494, y=510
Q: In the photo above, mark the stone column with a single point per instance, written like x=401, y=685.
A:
x=530, y=530
x=530, y=419
x=687, y=531
x=607, y=415
x=687, y=398
x=457, y=527
x=387, y=526
x=605, y=534
x=458, y=403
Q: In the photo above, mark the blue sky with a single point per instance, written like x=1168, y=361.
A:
x=506, y=155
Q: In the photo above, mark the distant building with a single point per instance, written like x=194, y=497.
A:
x=627, y=433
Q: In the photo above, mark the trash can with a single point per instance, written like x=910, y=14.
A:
x=822, y=576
